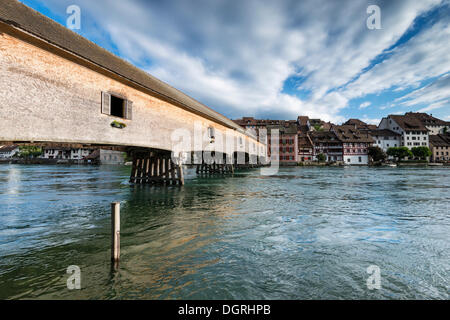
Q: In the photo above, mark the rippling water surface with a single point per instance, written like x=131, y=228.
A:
x=307, y=233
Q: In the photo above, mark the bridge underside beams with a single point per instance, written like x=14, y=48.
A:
x=221, y=163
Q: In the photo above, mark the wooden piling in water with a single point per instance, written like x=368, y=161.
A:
x=156, y=168
x=115, y=231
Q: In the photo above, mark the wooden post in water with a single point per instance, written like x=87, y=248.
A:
x=115, y=230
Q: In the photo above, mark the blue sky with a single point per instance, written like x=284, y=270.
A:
x=281, y=59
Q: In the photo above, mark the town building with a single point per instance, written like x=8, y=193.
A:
x=252, y=123
x=385, y=138
x=86, y=155
x=360, y=125
x=65, y=153
x=440, y=147
x=412, y=131
x=328, y=144
x=304, y=124
x=355, y=144
x=305, y=147
x=434, y=125
x=319, y=125
x=8, y=152
x=288, y=143
x=111, y=157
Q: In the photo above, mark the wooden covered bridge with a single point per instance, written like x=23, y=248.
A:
x=58, y=87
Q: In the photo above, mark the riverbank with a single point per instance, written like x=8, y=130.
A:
x=44, y=161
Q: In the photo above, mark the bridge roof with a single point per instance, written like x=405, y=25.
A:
x=20, y=16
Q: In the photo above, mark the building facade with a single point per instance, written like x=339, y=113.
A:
x=305, y=147
x=8, y=152
x=385, y=138
x=411, y=130
x=434, y=125
x=355, y=144
x=111, y=157
x=440, y=147
x=65, y=153
x=328, y=144
x=288, y=143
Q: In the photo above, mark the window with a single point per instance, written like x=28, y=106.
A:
x=211, y=132
x=116, y=106
x=359, y=159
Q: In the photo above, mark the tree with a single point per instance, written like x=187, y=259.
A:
x=321, y=157
x=377, y=154
x=29, y=152
x=392, y=152
x=399, y=152
x=421, y=152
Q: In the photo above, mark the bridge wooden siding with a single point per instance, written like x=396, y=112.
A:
x=45, y=97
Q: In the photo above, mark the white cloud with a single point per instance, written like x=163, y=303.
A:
x=370, y=120
x=435, y=95
x=364, y=105
x=423, y=57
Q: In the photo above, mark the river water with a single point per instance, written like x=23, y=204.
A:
x=306, y=233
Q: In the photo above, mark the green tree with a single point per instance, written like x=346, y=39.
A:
x=377, y=154
x=421, y=152
x=399, y=152
x=321, y=157
x=28, y=152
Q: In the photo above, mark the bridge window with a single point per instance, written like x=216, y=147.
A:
x=211, y=132
x=116, y=106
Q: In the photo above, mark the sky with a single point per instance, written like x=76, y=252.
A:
x=280, y=59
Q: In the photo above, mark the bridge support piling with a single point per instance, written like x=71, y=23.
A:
x=214, y=168
x=156, y=168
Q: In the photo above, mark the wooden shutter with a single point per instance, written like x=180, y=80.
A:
x=106, y=103
x=128, y=109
